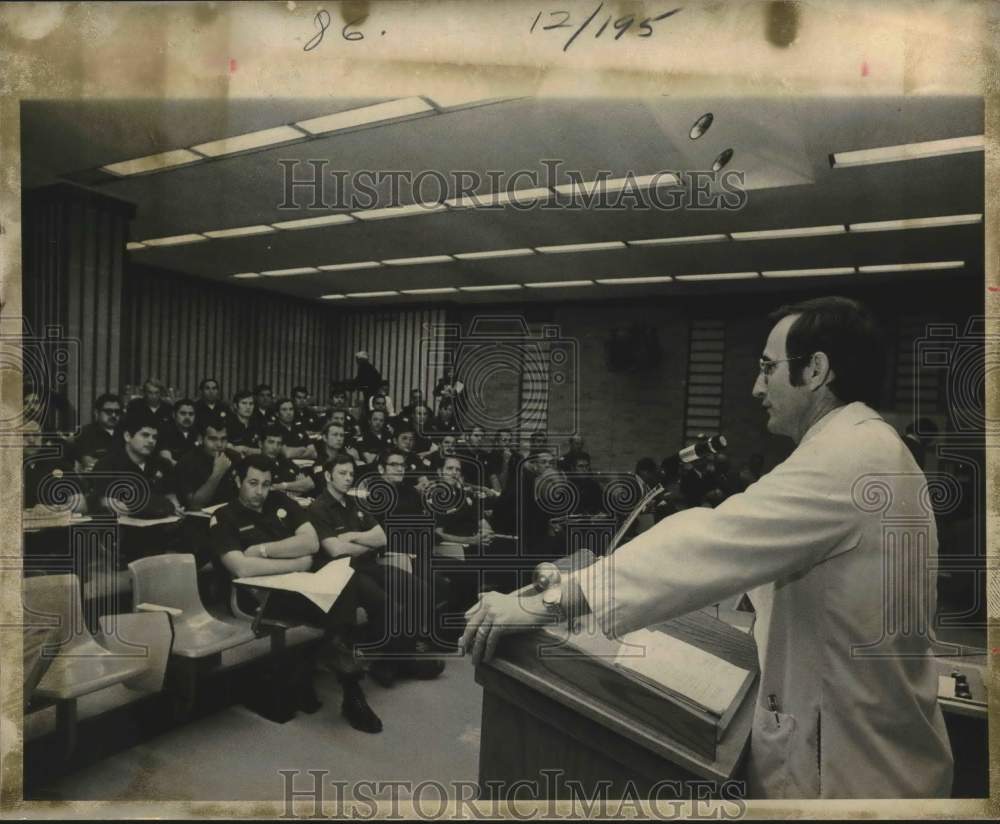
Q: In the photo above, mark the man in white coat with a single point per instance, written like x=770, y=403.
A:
x=847, y=702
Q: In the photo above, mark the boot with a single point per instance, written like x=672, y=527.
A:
x=356, y=710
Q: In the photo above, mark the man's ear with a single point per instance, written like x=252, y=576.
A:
x=819, y=372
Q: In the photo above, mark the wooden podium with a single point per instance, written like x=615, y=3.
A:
x=585, y=718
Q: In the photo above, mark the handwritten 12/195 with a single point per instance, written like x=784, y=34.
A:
x=561, y=20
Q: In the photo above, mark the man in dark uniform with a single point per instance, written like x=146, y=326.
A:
x=340, y=413
x=304, y=416
x=345, y=529
x=152, y=404
x=333, y=443
x=263, y=412
x=415, y=465
x=376, y=440
x=209, y=403
x=286, y=476
x=264, y=532
x=97, y=438
x=181, y=436
x=590, y=497
x=49, y=476
x=297, y=443
x=575, y=448
x=202, y=477
x=416, y=399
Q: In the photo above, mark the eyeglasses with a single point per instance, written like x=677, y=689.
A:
x=767, y=366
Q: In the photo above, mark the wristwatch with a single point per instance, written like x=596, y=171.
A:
x=548, y=581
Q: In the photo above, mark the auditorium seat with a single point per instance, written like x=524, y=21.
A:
x=122, y=665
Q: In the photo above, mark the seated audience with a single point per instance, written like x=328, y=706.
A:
x=297, y=443
x=202, y=477
x=209, y=404
x=181, y=436
x=285, y=475
x=151, y=403
x=243, y=427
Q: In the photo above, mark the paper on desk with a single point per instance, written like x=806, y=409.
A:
x=703, y=678
x=322, y=588
x=128, y=520
x=303, y=462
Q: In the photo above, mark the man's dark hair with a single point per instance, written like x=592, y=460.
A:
x=140, y=419
x=403, y=427
x=338, y=459
x=273, y=430
x=103, y=399
x=330, y=424
x=240, y=395
x=261, y=387
x=299, y=390
x=216, y=422
x=204, y=381
x=184, y=402
x=281, y=402
x=258, y=462
x=846, y=331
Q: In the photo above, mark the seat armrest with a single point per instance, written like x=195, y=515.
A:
x=172, y=611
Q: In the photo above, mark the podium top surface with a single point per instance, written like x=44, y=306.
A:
x=585, y=688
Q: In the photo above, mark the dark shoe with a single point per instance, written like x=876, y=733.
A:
x=384, y=673
x=423, y=668
x=307, y=699
x=357, y=712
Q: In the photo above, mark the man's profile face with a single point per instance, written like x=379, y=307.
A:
x=341, y=478
x=210, y=391
x=405, y=441
x=254, y=488
x=335, y=438
x=286, y=412
x=271, y=446
x=184, y=416
x=142, y=442
x=786, y=405
x=214, y=441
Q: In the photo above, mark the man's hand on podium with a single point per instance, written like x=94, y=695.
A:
x=496, y=615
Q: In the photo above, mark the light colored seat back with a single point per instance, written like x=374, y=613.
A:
x=146, y=637
x=167, y=580
x=53, y=601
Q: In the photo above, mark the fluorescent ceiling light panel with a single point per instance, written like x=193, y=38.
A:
x=591, y=187
x=442, y=290
x=134, y=244
x=249, y=141
x=580, y=247
x=803, y=273
x=719, y=276
x=398, y=211
x=365, y=116
x=556, y=284
x=333, y=297
x=915, y=223
x=670, y=241
x=634, y=281
x=417, y=261
x=495, y=253
x=152, y=163
x=491, y=287
x=522, y=197
x=907, y=151
x=913, y=267
x=313, y=222
x=245, y=275
x=802, y=231
x=239, y=231
x=345, y=267
x=174, y=240
x=300, y=270
x=384, y=294
x=446, y=100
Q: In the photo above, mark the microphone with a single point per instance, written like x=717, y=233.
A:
x=702, y=449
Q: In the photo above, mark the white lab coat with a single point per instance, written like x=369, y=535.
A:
x=818, y=543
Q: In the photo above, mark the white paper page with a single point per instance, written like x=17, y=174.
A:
x=700, y=676
x=322, y=588
x=128, y=520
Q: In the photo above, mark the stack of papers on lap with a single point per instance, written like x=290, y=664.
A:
x=322, y=588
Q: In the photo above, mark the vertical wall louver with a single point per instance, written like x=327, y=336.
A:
x=706, y=352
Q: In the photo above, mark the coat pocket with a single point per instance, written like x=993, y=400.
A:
x=783, y=758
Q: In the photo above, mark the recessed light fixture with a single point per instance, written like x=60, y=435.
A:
x=239, y=231
x=389, y=212
x=802, y=273
x=915, y=223
x=588, y=188
x=913, y=267
x=719, y=276
x=907, y=151
x=134, y=244
x=384, y=294
x=439, y=290
x=346, y=267
x=557, y=284
x=174, y=240
x=418, y=261
x=701, y=125
x=801, y=231
x=491, y=287
x=580, y=247
x=366, y=115
x=300, y=270
x=722, y=160
x=249, y=141
x=246, y=275
x=495, y=253
x=313, y=222
x=634, y=281
x=676, y=241
x=152, y=163
x=333, y=297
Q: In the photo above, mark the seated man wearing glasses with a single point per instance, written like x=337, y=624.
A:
x=97, y=438
x=847, y=702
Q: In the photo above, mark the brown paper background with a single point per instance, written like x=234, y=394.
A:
x=116, y=50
